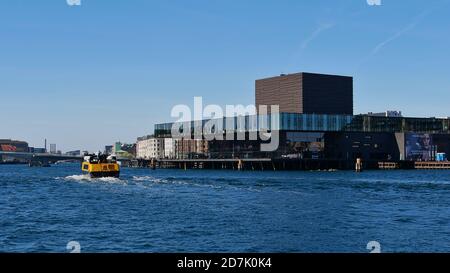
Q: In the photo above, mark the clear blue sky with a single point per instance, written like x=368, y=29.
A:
x=86, y=76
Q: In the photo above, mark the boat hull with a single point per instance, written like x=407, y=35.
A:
x=104, y=174
x=96, y=170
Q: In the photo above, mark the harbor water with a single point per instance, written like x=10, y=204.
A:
x=43, y=209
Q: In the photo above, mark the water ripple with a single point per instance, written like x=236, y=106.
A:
x=227, y=211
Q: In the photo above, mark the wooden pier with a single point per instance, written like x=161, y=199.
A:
x=388, y=165
x=432, y=165
x=254, y=164
x=233, y=164
x=418, y=165
x=281, y=164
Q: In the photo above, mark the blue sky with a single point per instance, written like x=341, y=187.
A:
x=87, y=76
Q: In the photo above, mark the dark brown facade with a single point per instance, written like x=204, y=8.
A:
x=307, y=93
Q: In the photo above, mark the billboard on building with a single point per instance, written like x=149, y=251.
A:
x=8, y=148
x=419, y=147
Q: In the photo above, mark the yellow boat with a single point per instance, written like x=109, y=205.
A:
x=101, y=166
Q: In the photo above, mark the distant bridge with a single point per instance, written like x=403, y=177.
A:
x=38, y=159
x=44, y=160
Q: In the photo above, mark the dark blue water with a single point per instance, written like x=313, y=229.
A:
x=42, y=209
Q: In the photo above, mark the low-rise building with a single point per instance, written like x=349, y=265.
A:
x=108, y=149
x=124, y=150
x=8, y=145
x=34, y=150
x=169, y=148
x=191, y=148
x=74, y=153
x=53, y=149
x=149, y=147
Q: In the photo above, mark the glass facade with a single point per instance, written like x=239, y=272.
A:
x=373, y=124
x=312, y=122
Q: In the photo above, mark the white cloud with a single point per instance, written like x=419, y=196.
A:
x=321, y=28
x=401, y=32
